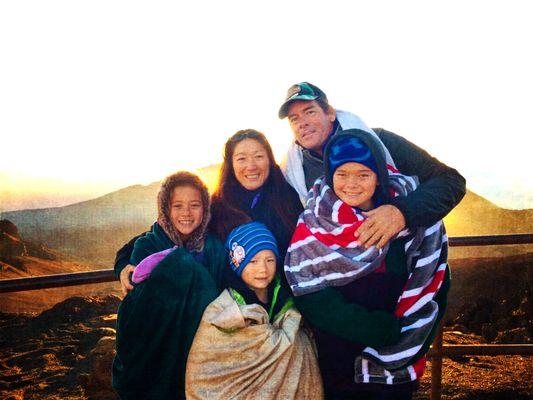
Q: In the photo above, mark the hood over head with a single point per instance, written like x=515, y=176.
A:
x=182, y=178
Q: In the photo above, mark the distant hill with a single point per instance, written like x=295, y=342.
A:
x=20, y=258
x=93, y=230
x=476, y=215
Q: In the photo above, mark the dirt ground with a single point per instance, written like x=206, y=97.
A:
x=44, y=357
x=481, y=377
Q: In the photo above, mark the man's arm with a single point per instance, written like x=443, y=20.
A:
x=123, y=267
x=441, y=187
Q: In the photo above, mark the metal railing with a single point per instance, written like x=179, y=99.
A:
x=437, y=352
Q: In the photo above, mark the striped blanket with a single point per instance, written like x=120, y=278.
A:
x=323, y=253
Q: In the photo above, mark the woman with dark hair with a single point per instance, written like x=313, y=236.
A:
x=251, y=187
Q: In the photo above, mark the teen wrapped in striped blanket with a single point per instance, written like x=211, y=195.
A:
x=323, y=253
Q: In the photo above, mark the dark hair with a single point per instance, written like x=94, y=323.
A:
x=324, y=105
x=225, y=210
x=182, y=178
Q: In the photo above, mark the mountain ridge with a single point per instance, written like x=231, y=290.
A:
x=94, y=229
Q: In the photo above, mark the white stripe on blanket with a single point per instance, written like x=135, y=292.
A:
x=329, y=277
x=412, y=372
x=389, y=377
x=318, y=260
x=421, y=322
x=428, y=260
x=420, y=303
x=335, y=232
x=432, y=229
x=418, y=290
x=366, y=376
x=408, y=244
x=309, y=239
x=351, y=245
x=407, y=353
x=301, y=243
x=335, y=211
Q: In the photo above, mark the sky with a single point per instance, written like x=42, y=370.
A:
x=96, y=96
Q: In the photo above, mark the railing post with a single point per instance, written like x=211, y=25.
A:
x=436, y=366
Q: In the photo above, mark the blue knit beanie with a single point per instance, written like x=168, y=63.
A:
x=350, y=149
x=245, y=241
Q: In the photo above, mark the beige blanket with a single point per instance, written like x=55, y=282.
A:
x=238, y=354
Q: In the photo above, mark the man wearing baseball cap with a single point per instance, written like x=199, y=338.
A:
x=314, y=121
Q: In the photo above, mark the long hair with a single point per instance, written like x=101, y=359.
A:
x=225, y=210
x=179, y=179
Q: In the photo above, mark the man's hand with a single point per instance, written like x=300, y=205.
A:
x=125, y=284
x=381, y=225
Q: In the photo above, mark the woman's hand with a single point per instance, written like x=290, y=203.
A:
x=125, y=283
x=382, y=224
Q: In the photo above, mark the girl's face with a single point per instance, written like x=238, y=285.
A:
x=260, y=271
x=250, y=164
x=186, y=210
x=355, y=184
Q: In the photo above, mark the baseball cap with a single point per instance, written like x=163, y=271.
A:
x=301, y=91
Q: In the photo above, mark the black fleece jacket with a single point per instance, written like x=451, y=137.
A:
x=441, y=187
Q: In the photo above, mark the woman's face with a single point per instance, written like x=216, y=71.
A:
x=186, y=210
x=260, y=270
x=355, y=184
x=250, y=164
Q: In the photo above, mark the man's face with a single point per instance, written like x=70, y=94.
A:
x=310, y=124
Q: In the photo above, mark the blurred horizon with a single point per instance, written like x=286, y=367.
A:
x=47, y=193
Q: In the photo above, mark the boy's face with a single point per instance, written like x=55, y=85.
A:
x=260, y=271
x=186, y=210
x=355, y=184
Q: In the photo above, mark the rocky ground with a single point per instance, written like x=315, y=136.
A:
x=481, y=377
x=66, y=353
x=62, y=353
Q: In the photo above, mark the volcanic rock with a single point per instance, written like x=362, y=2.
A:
x=97, y=383
x=11, y=244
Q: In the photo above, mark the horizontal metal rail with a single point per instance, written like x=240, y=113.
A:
x=482, y=350
x=108, y=275
x=57, y=280
x=491, y=240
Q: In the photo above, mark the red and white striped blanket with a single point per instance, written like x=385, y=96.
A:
x=323, y=253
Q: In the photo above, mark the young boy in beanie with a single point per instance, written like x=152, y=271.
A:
x=253, y=256
x=250, y=343
x=374, y=311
